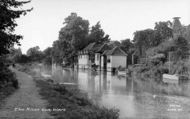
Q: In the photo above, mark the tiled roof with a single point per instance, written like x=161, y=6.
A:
x=111, y=47
x=95, y=47
x=115, y=51
x=103, y=47
x=89, y=47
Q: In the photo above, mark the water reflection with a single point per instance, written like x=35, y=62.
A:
x=134, y=99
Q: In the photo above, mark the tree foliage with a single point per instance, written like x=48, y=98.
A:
x=10, y=10
x=72, y=38
x=14, y=54
x=97, y=34
x=47, y=59
x=162, y=32
x=35, y=54
x=143, y=40
x=126, y=45
x=149, y=38
x=182, y=48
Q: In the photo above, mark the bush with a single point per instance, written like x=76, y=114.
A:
x=7, y=78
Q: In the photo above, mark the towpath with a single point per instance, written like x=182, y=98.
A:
x=25, y=103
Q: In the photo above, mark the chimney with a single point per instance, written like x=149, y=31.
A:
x=177, y=27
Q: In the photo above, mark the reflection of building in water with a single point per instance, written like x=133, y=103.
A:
x=104, y=78
x=83, y=80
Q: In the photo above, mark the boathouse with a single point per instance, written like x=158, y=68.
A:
x=107, y=56
x=114, y=58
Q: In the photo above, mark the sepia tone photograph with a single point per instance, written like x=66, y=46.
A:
x=94, y=59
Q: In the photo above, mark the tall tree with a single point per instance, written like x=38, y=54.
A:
x=10, y=10
x=163, y=31
x=97, y=34
x=143, y=40
x=72, y=38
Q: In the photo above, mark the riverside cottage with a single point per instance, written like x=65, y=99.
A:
x=108, y=56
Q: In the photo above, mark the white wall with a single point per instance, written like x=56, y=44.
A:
x=117, y=61
x=83, y=61
x=102, y=63
x=97, y=58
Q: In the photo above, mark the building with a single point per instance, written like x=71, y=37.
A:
x=98, y=56
x=114, y=58
x=107, y=56
x=85, y=57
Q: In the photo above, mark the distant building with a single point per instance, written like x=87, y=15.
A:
x=114, y=58
x=107, y=56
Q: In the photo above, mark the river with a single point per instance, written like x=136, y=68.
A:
x=135, y=99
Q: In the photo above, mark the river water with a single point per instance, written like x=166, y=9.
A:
x=135, y=99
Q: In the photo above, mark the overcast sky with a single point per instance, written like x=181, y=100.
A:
x=119, y=18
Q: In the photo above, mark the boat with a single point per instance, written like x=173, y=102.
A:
x=67, y=83
x=170, y=79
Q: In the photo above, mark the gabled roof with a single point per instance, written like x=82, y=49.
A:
x=103, y=47
x=89, y=47
x=113, y=44
x=115, y=51
x=96, y=47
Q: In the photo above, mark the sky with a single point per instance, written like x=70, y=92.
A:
x=118, y=18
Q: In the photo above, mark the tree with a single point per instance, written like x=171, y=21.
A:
x=162, y=32
x=47, y=59
x=14, y=54
x=72, y=38
x=75, y=31
x=97, y=34
x=9, y=12
x=149, y=38
x=143, y=40
x=126, y=45
x=35, y=54
x=182, y=48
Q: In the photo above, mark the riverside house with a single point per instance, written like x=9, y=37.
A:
x=108, y=56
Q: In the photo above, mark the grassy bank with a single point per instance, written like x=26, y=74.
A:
x=72, y=103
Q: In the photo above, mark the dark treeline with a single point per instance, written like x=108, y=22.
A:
x=10, y=10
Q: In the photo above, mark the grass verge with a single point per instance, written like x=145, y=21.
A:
x=72, y=103
x=5, y=92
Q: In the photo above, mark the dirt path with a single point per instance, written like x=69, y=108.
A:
x=25, y=103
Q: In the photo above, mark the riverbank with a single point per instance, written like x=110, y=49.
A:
x=151, y=78
x=67, y=101
x=24, y=103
